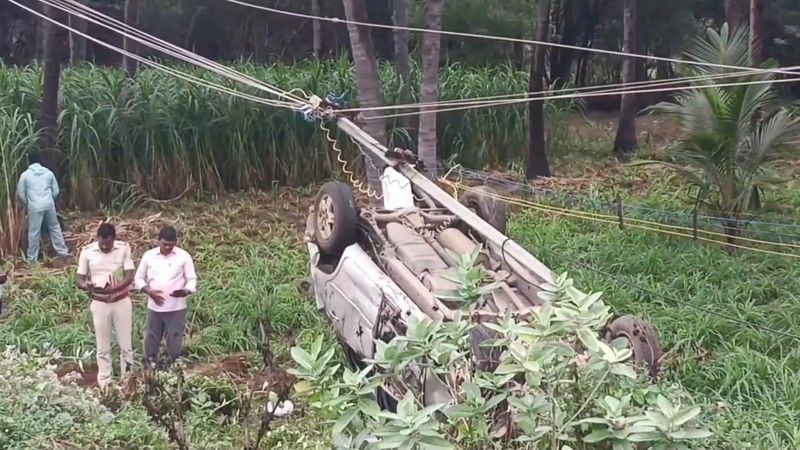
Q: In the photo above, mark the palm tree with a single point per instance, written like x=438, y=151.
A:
x=77, y=43
x=401, y=57
x=757, y=10
x=625, y=142
x=131, y=18
x=429, y=86
x=731, y=134
x=51, y=82
x=367, y=81
x=537, y=141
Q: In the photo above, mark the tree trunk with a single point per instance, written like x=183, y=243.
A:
x=757, y=9
x=625, y=142
x=733, y=14
x=77, y=44
x=52, y=50
x=401, y=58
x=367, y=82
x=429, y=85
x=317, y=28
x=537, y=142
x=562, y=59
x=131, y=19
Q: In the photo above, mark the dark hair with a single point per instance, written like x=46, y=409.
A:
x=168, y=233
x=106, y=231
x=34, y=158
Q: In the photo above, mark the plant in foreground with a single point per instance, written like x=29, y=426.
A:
x=545, y=383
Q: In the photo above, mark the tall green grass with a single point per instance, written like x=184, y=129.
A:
x=167, y=136
x=17, y=136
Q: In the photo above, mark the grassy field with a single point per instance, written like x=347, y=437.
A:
x=249, y=256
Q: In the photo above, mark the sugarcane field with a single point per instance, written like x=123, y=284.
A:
x=405, y=224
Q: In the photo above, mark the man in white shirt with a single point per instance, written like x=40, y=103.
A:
x=105, y=271
x=167, y=275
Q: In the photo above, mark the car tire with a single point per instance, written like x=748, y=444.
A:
x=335, y=217
x=642, y=340
x=484, y=202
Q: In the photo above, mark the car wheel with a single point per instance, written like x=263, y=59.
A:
x=642, y=339
x=484, y=202
x=335, y=217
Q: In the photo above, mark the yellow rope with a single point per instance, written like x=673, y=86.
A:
x=603, y=218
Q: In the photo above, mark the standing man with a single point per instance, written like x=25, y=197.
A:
x=105, y=271
x=167, y=275
x=37, y=190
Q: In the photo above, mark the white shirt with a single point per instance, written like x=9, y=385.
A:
x=166, y=273
x=105, y=268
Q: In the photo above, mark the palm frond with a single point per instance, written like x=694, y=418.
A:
x=724, y=48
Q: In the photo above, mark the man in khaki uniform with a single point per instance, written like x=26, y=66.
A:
x=105, y=271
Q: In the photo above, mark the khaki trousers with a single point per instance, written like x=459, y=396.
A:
x=118, y=315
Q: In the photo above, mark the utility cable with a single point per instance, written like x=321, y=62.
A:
x=599, y=218
x=506, y=39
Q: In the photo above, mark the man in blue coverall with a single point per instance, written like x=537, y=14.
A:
x=37, y=190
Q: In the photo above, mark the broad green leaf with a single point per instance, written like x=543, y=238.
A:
x=598, y=436
x=303, y=358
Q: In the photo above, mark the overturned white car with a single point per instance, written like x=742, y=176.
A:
x=372, y=269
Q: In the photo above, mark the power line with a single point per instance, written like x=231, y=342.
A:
x=483, y=177
x=186, y=77
x=77, y=9
x=605, y=89
x=507, y=39
x=583, y=95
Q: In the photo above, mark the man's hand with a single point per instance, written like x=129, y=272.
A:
x=157, y=296
x=86, y=285
x=102, y=290
x=180, y=293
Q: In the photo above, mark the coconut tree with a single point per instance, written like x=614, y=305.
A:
x=537, y=142
x=732, y=135
x=132, y=19
x=429, y=86
x=625, y=142
x=367, y=81
x=77, y=43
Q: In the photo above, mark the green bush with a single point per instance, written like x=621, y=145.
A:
x=556, y=386
x=37, y=411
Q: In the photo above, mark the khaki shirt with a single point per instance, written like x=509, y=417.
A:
x=105, y=268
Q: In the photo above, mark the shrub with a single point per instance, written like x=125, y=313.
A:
x=555, y=384
x=37, y=411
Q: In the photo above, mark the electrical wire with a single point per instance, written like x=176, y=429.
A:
x=95, y=17
x=483, y=177
x=606, y=89
x=599, y=218
x=357, y=184
x=506, y=39
x=490, y=104
x=176, y=73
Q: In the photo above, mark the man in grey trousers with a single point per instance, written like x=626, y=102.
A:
x=166, y=274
